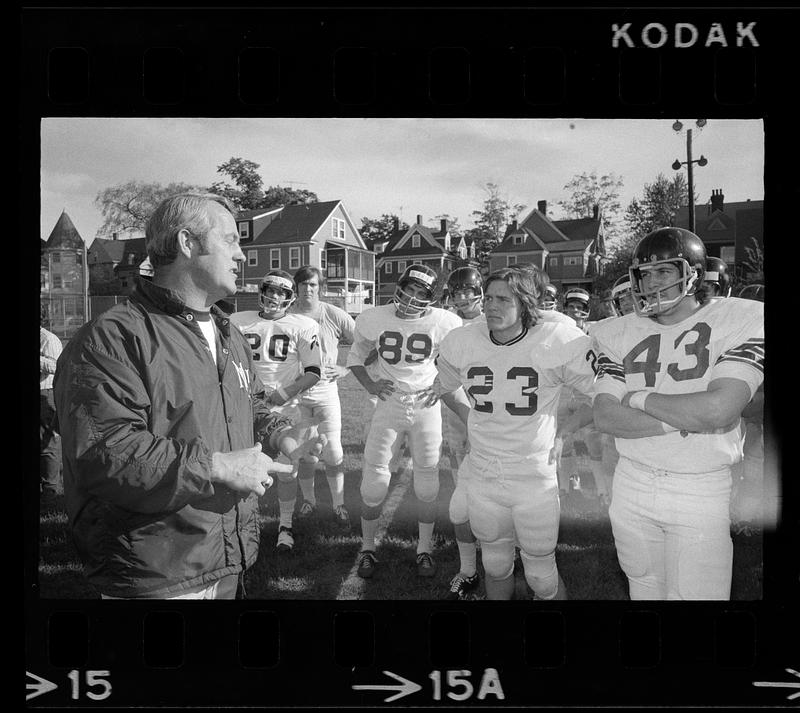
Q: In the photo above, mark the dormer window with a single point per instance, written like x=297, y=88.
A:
x=517, y=240
x=244, y=230
x=415, y=241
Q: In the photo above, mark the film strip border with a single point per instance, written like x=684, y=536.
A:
x=509, y=655
x=404, y=62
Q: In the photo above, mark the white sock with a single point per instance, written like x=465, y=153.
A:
x=368, y=530
x=287, y=510
x=425, y=537
x=466, y=553
x=335, y=476
x=307, y=489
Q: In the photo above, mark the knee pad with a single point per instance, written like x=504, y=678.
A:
x=332, y=453
x=458, y=509
x=426, y=483
x=498, y=558
x=541, y=573
x=374, y=486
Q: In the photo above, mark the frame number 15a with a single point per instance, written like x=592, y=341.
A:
x=460, y=688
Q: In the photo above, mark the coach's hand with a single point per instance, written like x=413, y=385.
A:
x=334, y=372
x=246, y=471
x=302, y=442
x=382, y=388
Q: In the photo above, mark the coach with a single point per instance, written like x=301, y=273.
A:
x=156, y=401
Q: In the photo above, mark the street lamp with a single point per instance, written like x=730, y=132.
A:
x=702, y=161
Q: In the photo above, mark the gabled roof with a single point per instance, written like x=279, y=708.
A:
x=108, y=250
x=296, y=223
x=64, y=234
x=541, y=233
x=400, y=243
x=254, y=213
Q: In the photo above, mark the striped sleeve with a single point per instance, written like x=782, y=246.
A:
x=610, y=371
x=750, y=352
x=744, y=357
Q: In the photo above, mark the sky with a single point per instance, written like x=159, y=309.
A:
x=408, y=167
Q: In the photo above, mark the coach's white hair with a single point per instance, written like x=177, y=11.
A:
x=184, y=211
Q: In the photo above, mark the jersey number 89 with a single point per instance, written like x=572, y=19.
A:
x=390, y=347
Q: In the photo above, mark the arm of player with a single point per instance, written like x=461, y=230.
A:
x=719, y=406
x=457, y=401
x=48, y=355
x=610, y=416
x=356, y=361
x=308, y=349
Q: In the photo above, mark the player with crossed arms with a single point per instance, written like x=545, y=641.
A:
x=406, y=334
x=287, y=359
x=512, y=369
x=673, y=379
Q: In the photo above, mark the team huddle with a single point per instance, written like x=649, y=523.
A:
x=663, y=388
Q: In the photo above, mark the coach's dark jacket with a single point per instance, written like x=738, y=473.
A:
x=141, y=408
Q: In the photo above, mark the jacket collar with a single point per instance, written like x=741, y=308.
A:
x=170, y=302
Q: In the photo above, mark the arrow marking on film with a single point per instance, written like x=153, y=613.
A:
x=405, y=688
x=780, y=684
x=41, y=685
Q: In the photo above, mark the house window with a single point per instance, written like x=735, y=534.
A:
x=56, y=257
x=294, y=258
x=553, y=262
x=517, y=240
x=275, y=259
x=728, y=254
x=511, y=259
x=323, y=259
x=131, y=259
x=389, y=265
x=244, y=230
x=572, y=261
x=415, y=241
x=57, y=282
x=252, y=258
x=401, y=266
x=338, y=229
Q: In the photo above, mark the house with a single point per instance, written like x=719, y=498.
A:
x=728, y=229
x=418, y=244
x=133, y=262
x=572, y=252
x=62, y=285
x=318, y=234
x=103, y=256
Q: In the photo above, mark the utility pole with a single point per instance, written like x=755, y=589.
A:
x=676, y=164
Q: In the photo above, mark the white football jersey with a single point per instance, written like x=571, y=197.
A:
x=407, y=348
x=335, y=325
x=723, y=339
x=552, y=315
x=514, y=388
x=282, y=348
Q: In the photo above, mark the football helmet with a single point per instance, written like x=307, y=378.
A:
x=420, y=276
x=752, y=292
x=576, y=303
x=621, y=295
x=276, y=281
x=549, y=296
x=460, y=280
x=666, y=246
x=717, y=274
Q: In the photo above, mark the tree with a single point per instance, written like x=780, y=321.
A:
x=452, y=224
x=491, y=221
x=276, y=196
x=661, y=200
x=246, y=193
x=126, y=207
x=586, y=191
x=377, y=229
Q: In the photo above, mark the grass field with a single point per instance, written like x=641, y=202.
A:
x=321, y=566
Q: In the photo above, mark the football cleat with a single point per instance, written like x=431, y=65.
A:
x=462, y=584
x=426, y=567
x=285, y=539
x=366, y=564
x=306, y=510
x=342, y=517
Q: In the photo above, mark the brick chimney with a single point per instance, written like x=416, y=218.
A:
x=443, y=221
x=396, y=224
x=542, y=205
x=717, y=200
x=419, y=220
x=114, y=236
x=595, y=211
x=514, y=225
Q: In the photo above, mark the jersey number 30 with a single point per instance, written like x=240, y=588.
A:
x=530, y=381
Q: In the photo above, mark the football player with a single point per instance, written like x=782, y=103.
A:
x=717, y=282
x=576, y=306
x=320, y=404
x=549, y=299
x=512, y=369
x=406, y=335
x=621, y=295
x=286, y=356
x=673, y=380
x=465, y=293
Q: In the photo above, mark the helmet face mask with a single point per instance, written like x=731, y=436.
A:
x=413, y=304
x=465, y=290
x=576, y=304
x=548, y=299
x=621, y=296
x=271, y=286
x=717, y=276
x=676, y=247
